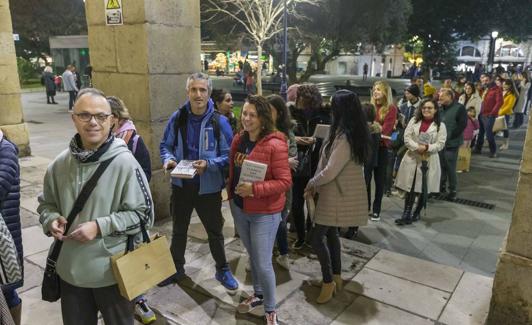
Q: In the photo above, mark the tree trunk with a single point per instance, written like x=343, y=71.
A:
x=259, y=69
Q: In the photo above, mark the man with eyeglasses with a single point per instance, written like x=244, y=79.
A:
x=120, y=202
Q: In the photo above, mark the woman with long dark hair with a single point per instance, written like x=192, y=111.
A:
x=281, y=118
x=425, y=136
x=257, y=206
x=308, y=112
x=339, y=186
x=223, y=103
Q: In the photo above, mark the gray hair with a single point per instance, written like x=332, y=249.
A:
x=200, y=76
x=448, y=92
x=91, y=92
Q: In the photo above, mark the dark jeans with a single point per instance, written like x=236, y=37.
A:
x=486, y=128
x=329, y=254
x=12, y=298
x=448, y=158
x=298, y=204
x=208, y=207
x=80, y=306
x=282, y=236
x=506, y=132
x=518, y=120
x=388, y=176
x=71, y=99
x=379, y=172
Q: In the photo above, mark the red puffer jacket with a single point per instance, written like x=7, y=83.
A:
x=492, y=101
x=268, y=195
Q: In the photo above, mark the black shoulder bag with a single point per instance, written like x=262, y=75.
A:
x=51, y=290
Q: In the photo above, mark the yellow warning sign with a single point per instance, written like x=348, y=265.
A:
x=112, y=4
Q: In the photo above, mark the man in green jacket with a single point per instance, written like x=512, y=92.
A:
x=119, y=203
x=454, y=116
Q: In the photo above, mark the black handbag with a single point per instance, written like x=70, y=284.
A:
x=304, y=168
x=51, y=290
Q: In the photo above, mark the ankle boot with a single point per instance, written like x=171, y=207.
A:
x=327, y=292
x=337, y=279
x=417, y=212
x=16, y=313
x=406, y=218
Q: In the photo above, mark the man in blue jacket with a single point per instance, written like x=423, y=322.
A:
x=197, y=132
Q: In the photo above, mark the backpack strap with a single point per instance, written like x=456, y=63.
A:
x=180, y=126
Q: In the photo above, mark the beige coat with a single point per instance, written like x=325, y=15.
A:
x=411, y=163
x=475, y=101
x=339, y=180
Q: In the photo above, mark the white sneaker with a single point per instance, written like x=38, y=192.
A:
x=375, y=217
x=271, y=318
x=283, y=261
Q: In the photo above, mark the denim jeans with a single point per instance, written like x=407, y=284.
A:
x=380, y=174
x=71, y=99
x=329, y=254
x=12, y=298
x=486, y=128
x=282, y=235
x=257, y=232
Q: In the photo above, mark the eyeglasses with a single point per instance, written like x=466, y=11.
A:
x=428, y=107
x=87, y=117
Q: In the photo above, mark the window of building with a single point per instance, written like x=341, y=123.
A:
x=470, y=51
x=510, y=50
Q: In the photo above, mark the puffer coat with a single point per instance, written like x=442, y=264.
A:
x=10, y=196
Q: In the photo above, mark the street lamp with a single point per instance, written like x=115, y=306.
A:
x=491, y=58
x=284, y=83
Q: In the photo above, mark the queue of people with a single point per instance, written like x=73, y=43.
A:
x=321, y=184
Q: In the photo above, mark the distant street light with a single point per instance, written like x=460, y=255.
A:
x=491, y=57
x=284, y=81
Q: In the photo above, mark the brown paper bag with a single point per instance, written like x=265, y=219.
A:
x=464, y=159
x=138, y=271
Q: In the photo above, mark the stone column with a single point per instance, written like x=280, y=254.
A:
x=511, y=301
x=146, y=62
x=11, y=116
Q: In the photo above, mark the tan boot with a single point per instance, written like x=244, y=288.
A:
x=337, y=278
x=16, y=312
x=327, y=292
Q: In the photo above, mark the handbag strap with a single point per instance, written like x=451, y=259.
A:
x=78, y=206
x=130, y=245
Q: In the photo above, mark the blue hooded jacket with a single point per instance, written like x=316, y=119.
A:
x=212, y=180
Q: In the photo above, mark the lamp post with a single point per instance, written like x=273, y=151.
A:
x=284, y=81
x=491, y=58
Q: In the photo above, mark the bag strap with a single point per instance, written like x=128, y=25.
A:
x=130, y=245
x=78, y=206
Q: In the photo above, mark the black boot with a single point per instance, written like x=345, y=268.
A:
x=406, y=218
x=417, y=212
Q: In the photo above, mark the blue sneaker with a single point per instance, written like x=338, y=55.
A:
x=226, y=279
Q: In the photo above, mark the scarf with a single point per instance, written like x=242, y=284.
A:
x=83, y=155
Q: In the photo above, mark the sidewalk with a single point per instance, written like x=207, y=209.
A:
x=385, y=287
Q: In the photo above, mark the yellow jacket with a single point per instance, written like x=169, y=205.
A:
x=508, y=103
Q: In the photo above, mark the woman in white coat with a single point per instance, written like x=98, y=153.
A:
x=424, y=136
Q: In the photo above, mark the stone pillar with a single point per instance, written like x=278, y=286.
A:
x=511, y=301
x=11, y=116
x=146, y=62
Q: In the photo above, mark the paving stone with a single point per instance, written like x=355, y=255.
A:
x=301, y=306
x=38, y=259
x=34, y=240
x=33, y=276
x=404, y=294
x=370, y=312
x=29, y=203
x=470, y=301
x=358, y=249
x=479, y=260
x=447, y=249
x=414, y=269
x=310, y=267
x=32, y=175
x=28, y=218
x=36, y=311
x=34, y=161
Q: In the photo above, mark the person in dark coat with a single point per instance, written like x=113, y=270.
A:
x=10, y=209
x=49, y=83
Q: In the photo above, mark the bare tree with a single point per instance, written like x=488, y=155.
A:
x=261, y=19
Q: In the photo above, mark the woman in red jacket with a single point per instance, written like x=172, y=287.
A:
x=386, y=116
x=257, y=206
